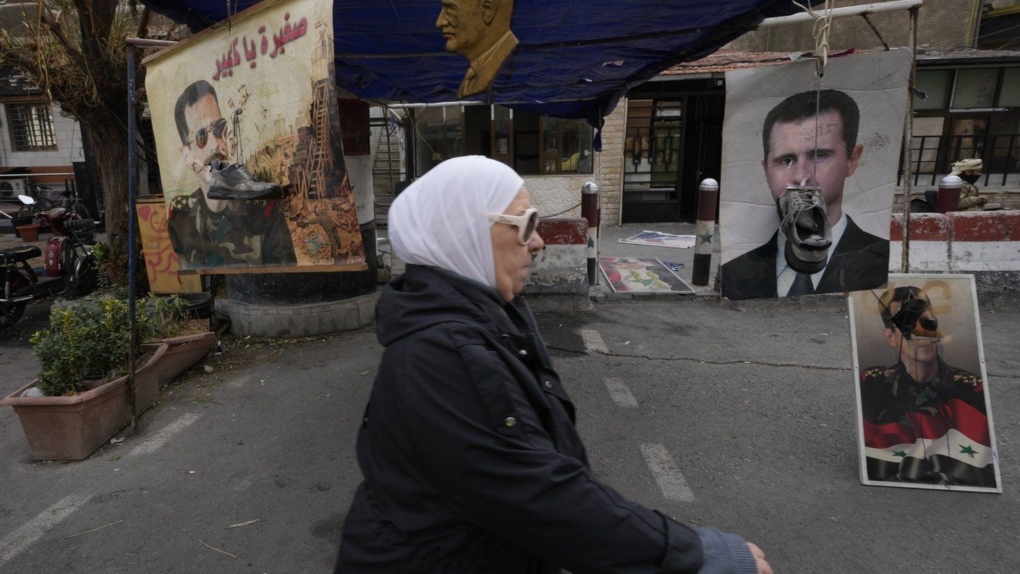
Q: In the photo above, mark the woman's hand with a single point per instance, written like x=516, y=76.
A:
x=759, y=558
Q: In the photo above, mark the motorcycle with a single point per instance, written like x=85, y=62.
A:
x=70, y=267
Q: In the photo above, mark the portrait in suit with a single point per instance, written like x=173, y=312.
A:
x=789, y=231
x=480, y=31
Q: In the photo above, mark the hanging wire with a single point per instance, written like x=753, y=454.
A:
x=820, y=30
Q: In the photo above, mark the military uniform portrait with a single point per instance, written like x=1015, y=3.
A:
x=923, y=403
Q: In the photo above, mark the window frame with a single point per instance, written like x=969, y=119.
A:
x=40, y=133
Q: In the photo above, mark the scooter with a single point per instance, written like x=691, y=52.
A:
x=70, y=267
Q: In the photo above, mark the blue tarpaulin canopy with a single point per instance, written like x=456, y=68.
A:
x=575, y=58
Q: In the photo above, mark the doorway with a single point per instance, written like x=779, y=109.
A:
x=673, y=141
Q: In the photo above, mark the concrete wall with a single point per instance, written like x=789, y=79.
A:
x=958, y=242
x=562, y=267
x=942, y=24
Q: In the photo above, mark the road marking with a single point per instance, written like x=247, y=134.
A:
x=593, y=341
x=164, y=435
x=620, y=393
x=667, y=473
x=21, y=538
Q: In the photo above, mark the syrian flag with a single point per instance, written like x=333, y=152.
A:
x=951, y=447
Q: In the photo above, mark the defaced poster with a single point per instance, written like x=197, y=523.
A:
x=247, y=132
x=808, y=174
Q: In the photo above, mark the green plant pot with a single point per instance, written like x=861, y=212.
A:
x=72, y=428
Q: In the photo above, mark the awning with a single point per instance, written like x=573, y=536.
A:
x=575, y=59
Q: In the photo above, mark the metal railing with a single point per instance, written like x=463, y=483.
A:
x=932, y=157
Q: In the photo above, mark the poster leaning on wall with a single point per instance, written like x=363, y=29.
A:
x=923, y=402
x=247, y=133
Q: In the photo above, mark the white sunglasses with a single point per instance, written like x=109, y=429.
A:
x=526, y=223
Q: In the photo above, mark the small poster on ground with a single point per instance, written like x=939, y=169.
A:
x=660, y=239
x=924, y=410
x=641, y=275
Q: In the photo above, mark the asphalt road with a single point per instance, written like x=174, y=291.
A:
x=739, y=416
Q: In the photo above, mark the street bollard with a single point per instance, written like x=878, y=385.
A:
x=590, y=211
x=708, y=195
x=949, y=194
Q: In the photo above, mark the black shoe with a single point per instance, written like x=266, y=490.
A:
x=806, y=226
x=234, y=182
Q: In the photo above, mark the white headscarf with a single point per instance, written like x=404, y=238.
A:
x=440, y=219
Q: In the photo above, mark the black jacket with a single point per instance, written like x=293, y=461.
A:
x=860, y=261
x=471, y=460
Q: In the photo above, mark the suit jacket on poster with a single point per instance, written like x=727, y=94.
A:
x=859, y=261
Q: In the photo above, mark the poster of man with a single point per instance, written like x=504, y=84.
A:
x=480, y=31
x=809, y=169
x=923, y=403
x=247, y=132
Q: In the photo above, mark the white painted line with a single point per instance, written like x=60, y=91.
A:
x=667, y=473
x=15, y=542
x=593, y=341
x=164, y=435
x=620, y=393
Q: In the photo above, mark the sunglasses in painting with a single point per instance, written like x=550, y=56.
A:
x=217, y=128
x=526, y=223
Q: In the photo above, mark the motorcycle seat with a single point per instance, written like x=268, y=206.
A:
x=19, y=254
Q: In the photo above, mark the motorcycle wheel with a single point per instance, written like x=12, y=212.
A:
x=26, y=211
x=11, y=313
x=86, y=277
x=80, y=209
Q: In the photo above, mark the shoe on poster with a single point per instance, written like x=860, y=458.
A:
x=806, y=226
x=232, y=181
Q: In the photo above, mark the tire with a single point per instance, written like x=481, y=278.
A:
x=79, y=208
x=11, y=313
x=86, y=277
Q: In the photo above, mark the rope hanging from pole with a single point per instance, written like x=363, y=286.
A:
x=820, y=31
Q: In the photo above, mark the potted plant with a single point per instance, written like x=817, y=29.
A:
x=80, y=399
x=187, y=339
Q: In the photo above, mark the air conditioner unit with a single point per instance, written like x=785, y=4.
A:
x=13, y=187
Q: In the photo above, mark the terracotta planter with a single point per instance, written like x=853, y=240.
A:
x=181, y=354
x=147, y=383
x=29, y=233
x=72, y=428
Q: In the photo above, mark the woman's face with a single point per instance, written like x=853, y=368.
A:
x=513, y=260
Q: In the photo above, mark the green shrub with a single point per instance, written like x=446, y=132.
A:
x=87, y=341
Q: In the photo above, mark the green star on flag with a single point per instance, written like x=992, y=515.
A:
x=967, y=450
x=899, y=453
x=706, y=238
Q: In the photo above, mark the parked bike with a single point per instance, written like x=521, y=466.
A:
x=70, y=266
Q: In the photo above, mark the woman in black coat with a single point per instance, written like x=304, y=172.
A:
x=471, y=460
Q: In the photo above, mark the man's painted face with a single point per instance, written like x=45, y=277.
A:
x=462, y=26
x=917, y=349
x=206, y=134
x=793, y=160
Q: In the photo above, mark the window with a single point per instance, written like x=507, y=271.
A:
x=31, y=126
x=527, y=142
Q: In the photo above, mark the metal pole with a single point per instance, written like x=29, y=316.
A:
x=132, y=256
x=708, y=196
x=589, y=211
x=908, y=137
x=864, y=9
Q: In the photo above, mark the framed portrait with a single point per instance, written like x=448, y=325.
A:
x=924, y=408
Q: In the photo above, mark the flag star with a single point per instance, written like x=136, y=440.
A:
x=706, y=238
x=967, y=450
x=899, y=453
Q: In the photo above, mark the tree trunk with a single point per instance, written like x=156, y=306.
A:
x=109, y=143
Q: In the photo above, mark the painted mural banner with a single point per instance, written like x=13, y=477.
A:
x=161, y=264
x=808, y=175
x=924, y=408
x=247, y=132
